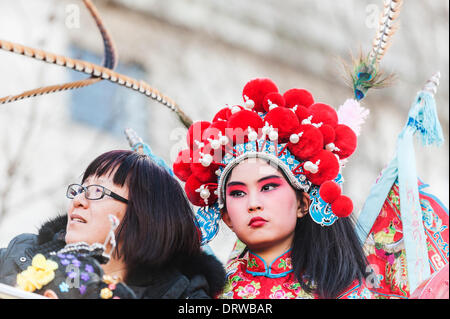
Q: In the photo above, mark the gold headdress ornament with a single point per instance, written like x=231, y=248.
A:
x=96, y=72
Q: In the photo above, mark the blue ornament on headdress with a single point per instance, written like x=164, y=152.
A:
x=319, y=210
x=207, y=220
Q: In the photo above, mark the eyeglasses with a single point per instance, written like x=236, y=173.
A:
x=92, y=192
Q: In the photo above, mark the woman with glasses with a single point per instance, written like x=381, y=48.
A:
x=158, y=251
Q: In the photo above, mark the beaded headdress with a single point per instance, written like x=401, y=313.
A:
x=301, y=137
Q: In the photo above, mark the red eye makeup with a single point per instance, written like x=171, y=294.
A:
x=236, y=189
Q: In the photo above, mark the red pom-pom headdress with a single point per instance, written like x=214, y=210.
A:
x=302, y=136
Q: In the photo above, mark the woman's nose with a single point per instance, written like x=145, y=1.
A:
x=254, y=204
x=255, y=208
x=80, y=201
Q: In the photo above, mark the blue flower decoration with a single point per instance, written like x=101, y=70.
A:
x=63, y=287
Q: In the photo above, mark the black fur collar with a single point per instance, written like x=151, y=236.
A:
x=202, y=264
x=50, y=229
x=208, y=266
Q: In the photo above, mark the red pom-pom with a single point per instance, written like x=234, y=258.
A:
x=212, y=140
x=234, y=109
x=256, y=90
x=302, y=113
x=238, y=124
x=284, y=120
x=195, y=133
x=345, y=141
x=222, y=115
x=192, y=184
x=213, y=130
x=342, y=206
x=329, y=191
x=216, y=153
x=271, y=99
x=193, y=192
x=309, y=143
x=327, y=167
x=300, y=97
x=327, y=133
x=205, y=174
x=323, y=113
x=225, y=113
x=182, y=165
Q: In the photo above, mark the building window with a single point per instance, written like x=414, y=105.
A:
x=107, y=106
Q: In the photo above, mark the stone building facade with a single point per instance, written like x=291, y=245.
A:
x=200, y=53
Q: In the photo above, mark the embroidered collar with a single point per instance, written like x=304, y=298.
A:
x=280, y=267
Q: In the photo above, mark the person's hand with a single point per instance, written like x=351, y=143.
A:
x=50, y=294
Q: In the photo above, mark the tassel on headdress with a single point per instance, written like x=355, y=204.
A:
x=423, y=117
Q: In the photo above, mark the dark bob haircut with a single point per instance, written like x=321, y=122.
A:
x=158, y=225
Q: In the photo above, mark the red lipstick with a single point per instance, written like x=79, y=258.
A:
x=257, y=222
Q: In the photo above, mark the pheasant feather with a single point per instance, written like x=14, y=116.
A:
x=109, y=61
x=96, y=72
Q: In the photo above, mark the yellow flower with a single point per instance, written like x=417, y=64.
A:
x=106, y=293
x=108, y=279
x=40, y=273
x=39, y=262
x=26, y=282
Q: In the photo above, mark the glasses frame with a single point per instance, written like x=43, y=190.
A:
x=105, y=191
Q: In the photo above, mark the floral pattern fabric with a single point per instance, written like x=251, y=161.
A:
x=385, y=248
x=250, y=277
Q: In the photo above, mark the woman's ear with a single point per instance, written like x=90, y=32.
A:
x=226, y=219
x=303, y=203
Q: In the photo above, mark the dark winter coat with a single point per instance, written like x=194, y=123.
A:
x=200, y=277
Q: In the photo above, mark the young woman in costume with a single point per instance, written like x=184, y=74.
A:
x=158, y=252
x=271, y=170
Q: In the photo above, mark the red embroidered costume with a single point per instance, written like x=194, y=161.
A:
x=250, y=277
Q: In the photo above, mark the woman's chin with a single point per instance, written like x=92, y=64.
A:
x=73, y=236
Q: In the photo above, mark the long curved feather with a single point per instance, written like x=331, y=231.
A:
x=96, y=72
x=387, y=28
x=109, y=61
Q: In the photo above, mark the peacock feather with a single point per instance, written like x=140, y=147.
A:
x=365, y=72
x=366, y=75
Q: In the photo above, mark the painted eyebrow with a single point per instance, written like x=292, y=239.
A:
x=259, y=180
